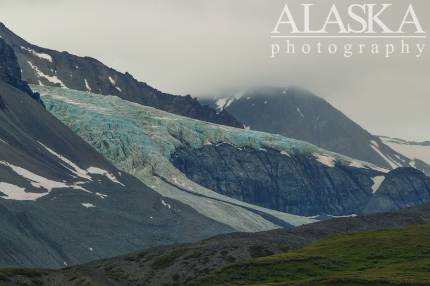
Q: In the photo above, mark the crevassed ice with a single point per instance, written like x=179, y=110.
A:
x=140, y=140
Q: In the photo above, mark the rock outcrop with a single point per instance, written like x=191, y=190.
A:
x=299, y=184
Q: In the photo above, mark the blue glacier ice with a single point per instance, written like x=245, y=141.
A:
x=140, y=140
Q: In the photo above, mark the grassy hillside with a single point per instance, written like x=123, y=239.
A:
x=389, y=257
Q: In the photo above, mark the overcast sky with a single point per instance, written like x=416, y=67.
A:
x=206, y=47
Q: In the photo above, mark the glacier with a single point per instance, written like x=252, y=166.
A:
x=140, y=140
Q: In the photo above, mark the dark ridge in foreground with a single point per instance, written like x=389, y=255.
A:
x=384, y=257
x=179, y=265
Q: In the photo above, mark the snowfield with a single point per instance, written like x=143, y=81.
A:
x=411, y=150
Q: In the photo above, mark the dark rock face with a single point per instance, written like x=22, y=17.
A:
x=10, y=71
x=55, y=211
x=52, y=68
x=403, y=187
x=296, y=113
x=297, y=184
x=422, y=166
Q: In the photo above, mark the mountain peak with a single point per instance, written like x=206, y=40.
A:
x=297, y=113
x=10, y=72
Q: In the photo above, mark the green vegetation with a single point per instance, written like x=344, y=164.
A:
x=389, y=257
x=168, y=259
x=35, y=275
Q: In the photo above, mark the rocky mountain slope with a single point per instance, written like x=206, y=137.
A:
x=211, y=167
x=52, y=68
x=63, y=203
x=419, y=152
x=300, y=185
x=180, y=264
x=299, y=114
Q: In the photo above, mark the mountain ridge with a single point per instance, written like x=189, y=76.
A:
x=62, y=203
x=300, y=114
x=418, y=152
x=49, y=67
x=181, y=264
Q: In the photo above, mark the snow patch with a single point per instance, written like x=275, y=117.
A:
x=220, y=103
x=364, y=165
x=87, y=85
x=102, y=196
x=165, y=204
x=343, y=216
x=357, y=164
x=81, y=173
x=377, y=182
x=42, y=56
x=52, y=79
x=326, y=160
x=16, y=193
x=375, y=146
x=374, y=143
x=36, y=181
x=412, y=151
x=101, y=172
x=88, y=205
x=112, y=81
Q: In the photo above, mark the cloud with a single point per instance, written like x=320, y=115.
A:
x=203, y=47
